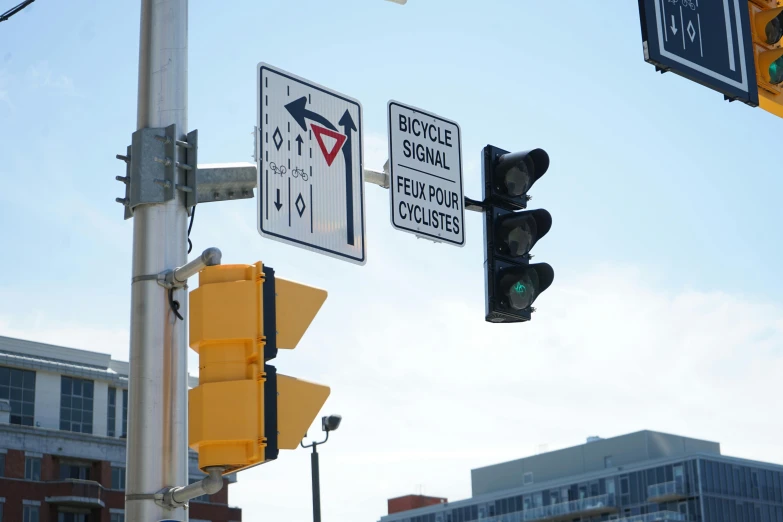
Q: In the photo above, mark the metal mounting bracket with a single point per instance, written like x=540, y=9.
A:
x=153, y=166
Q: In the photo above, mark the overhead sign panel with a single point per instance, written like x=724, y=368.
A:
x=310, y=166
x=425, y=162
x=707, y=41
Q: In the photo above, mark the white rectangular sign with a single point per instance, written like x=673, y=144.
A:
x=425, y=162
x=310, y=166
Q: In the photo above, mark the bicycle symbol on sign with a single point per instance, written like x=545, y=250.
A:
x=280, y=170
x=685, y=3
x=296, y=172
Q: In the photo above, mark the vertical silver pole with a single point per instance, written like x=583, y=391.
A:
x=157, y=414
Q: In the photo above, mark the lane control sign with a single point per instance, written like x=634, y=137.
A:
x=310, y=166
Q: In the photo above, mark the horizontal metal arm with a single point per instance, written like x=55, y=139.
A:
x=376, y=178
x=179, y=276
x=313, y=444
x=209, y=485
x=226, y=181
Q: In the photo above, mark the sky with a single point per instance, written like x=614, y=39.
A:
x=665, y=312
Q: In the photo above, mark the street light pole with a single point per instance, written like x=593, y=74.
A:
x=316, y=481
x=330, y=423
x=157, y=451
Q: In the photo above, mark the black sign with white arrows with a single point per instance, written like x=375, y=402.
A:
x=707, y=41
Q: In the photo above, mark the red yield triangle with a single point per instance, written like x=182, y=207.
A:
x=329, y=155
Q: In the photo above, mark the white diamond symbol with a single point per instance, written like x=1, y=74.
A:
x=691, y=31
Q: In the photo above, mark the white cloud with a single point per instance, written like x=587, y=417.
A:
x=42, y=76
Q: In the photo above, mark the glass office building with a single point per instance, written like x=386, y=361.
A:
x=640, y=477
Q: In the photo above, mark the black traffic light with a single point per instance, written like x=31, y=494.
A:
x=512, y=283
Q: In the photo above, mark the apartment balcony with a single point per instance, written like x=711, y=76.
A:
x=660, y=516
x=73, y=492
x=586, y=507
x=666, y=492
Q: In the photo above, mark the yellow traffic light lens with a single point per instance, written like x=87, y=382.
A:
x=774, y=30
x=776, y=71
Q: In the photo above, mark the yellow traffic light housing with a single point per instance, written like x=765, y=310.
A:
x=766, y=20
x=243, y=412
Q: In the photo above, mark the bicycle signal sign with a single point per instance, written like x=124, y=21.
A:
x=310, y=166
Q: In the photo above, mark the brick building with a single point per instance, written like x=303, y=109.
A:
x=63, y=419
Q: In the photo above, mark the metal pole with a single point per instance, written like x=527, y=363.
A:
x=316, y=485
x=157, y=452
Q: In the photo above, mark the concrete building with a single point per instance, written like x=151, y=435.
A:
x=640, y=477
x=63, y=420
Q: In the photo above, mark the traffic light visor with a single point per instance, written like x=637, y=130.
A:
x=768, y=25
x=516, y=172
x=519, y=232
x=522, y=285
x=774, y=29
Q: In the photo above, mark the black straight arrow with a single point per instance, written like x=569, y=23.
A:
x=299, y=141
x=277, y=203
x=346, y=122
x=299, y=112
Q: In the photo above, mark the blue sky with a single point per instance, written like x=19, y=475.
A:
x=665, y=238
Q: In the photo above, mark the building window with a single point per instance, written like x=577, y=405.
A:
x=1, y=512
x=117, y=478
x=30, y=514
x=111, y=416
x=18, y=387
x=69, y=516
x=116, y=517
x=76, y=405
x=32, y=468
x=124, y=413
x=2, y=467
x=74, y=471
x=527, y=478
